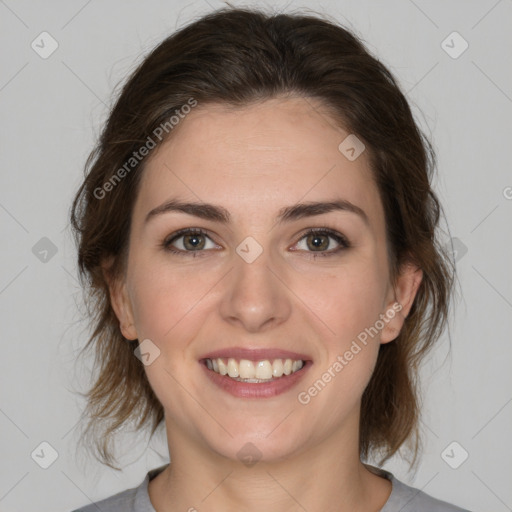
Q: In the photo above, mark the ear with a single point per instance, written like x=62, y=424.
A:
x=120, y=301
x=400, y=300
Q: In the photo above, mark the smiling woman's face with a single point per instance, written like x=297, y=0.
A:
x=254, y=285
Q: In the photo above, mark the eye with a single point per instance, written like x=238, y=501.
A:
x=188, y=240
x=319, y=241
x=325, y=242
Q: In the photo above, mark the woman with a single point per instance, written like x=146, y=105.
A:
x=258, y=231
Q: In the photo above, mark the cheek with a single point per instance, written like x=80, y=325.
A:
x=351, y=308
x=346, y=300
x=164, y=298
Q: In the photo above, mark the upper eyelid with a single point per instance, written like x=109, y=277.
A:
x=184, y=232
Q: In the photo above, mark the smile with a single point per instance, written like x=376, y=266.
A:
x=245, y=370
x=255, y=372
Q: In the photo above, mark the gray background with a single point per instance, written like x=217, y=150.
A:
x=51, y=111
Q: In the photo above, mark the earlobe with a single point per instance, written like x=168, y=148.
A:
x=121, y=304
x=393, y=322
x=122, y=307
x=405, y=290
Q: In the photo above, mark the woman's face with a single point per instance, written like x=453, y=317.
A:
x=253, y=286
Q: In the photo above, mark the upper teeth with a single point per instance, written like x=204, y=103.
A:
x=258, y=370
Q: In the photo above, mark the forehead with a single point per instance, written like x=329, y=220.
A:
x=277, y=152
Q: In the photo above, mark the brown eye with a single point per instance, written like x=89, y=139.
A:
x=317, y=242
x=325, y=242
x=194, y=242
x=189, y=241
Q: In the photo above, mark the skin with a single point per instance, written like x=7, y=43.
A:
x=252, y=162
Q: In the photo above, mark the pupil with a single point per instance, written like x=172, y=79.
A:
x=194, y=242
x=318, y=241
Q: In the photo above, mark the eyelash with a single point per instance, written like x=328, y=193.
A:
x=338, y=237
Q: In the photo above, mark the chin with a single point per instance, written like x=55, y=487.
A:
x=264, y=444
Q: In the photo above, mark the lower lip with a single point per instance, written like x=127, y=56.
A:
x=253, y=389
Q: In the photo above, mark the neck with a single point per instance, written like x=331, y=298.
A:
x=326, y=477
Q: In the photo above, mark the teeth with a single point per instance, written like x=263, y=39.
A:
x=263, y=370
x=249, y=371
x=246, y=369
x=223, y=369
x=232, y=368
x=277, y=368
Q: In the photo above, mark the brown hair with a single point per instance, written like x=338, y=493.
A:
x=236, y=57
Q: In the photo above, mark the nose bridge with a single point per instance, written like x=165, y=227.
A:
x=254, y=297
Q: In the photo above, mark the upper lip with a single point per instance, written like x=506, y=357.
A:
x=255, y=354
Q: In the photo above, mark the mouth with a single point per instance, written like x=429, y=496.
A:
x=255, y=373
x=245, y=370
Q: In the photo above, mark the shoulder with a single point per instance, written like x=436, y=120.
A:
x=123, y=501
x=405, y=498
x=131, y=500
x=409, y=499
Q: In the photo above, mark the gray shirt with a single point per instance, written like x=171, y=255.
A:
x=402, y=499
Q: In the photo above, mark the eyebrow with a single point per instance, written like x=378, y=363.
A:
x=287, y=214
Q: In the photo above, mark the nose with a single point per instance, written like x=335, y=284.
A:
x=255, y=297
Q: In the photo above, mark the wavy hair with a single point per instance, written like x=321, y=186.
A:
x=237, y=57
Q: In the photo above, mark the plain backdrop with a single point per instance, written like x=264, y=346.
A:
x=51, y=111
